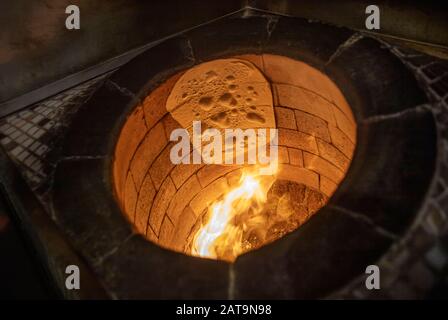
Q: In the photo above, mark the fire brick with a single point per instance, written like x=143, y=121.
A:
x=295, y=157
x=298, y=140
x=285, y=118
x=182, y=197
x=312, y=125
x=161, y=166
x=322, y=166
x=333, y=155
x=161, y=202
x=144, y=202
x=307, y=101
x=150, y=148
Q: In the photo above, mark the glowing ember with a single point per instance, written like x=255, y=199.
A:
x=222, y=237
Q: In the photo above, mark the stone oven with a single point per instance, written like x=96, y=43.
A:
x=356, y=159
x=347, y=129
x=166, y=202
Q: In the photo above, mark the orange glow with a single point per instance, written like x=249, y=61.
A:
x=221, y=237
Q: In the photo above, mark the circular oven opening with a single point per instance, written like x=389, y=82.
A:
x=220, y=210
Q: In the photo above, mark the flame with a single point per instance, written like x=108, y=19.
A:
x=220, y=237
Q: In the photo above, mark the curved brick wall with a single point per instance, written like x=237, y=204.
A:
x=317, y=135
